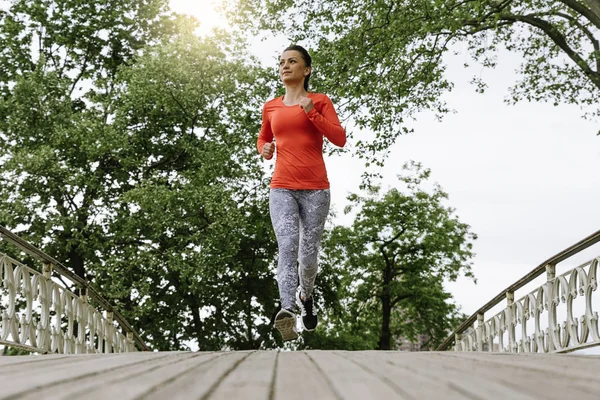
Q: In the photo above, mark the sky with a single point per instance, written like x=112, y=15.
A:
x=525, y=177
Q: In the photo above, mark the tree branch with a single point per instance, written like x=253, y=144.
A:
x=480, y=28
x=559, y=39
x=164, y=161
x=392, y=240
x=81, y=73
x=592, y=13
x=586, y=31
x=594, y=5
x=180, y=105
x=400, y=298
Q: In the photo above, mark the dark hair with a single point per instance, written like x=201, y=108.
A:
x=305, y=57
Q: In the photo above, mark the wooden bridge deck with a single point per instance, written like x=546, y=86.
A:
x=311, y=375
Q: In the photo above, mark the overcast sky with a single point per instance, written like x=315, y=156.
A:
x=525, y=178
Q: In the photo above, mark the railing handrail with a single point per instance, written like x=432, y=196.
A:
x=61, y=269
x=537, y=271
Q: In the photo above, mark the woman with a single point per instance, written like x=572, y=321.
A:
x=299, y=197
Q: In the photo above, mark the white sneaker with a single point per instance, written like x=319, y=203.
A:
x=285, y=322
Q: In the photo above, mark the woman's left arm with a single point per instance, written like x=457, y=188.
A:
x=328, y=123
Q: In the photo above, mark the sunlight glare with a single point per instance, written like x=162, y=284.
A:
x=204, y=11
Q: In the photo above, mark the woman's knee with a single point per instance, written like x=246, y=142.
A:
x=308, y=261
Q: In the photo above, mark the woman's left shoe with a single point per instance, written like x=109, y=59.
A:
x=285, y=322
x=308, y=310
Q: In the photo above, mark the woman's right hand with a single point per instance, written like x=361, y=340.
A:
x=268, y=150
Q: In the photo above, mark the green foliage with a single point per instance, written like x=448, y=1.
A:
x=57, y=78
x=382, y=60
x=393, y=261
x=336, y=340
x=128, y=153
x=14, y=351
x=198, y=209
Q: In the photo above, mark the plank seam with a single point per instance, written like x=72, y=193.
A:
x=532, y=369
x=172, y=379
x=384, y=379
x=215, y=385
x=272, y=390
x=451, y=385
x=75, y=378
x=325, y=377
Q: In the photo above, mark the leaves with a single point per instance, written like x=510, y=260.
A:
x=129, y=154
x=383, y=62
x=394, y=258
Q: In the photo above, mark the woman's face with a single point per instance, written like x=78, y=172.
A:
x=292, y=67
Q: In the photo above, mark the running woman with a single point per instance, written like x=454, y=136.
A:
x=299, y=193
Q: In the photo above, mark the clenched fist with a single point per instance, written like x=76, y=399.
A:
x=268, y=150
x=307, y=104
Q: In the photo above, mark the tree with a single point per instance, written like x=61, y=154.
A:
x=383, y=60
x=394, y=259
x=128, y=154
x=58, y=70
x=190, y=236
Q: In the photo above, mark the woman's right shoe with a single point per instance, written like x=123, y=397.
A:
x=285, y=322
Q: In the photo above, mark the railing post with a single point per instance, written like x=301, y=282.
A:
x=457, y=339
x=46, y=337
x=550, y=276
x=108, y=331
x=47, y=271
x=510, y=300
x=480, y=331
x=129, y=341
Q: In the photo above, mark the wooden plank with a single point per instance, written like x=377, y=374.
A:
x=466, y=383
x=13, y=363
x=412, y=383
x=528, y=378
x=532, y=373
x=490, y=380
x=7, y=362
x=574, y=367
x=199, y=382
x=252, y=379
x=136, y=378
x=350, y=381
x=142, y=386
x=40, y=375
x=297, y=378
x=298, y=375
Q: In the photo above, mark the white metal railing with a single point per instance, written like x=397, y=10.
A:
x=40, y=315
x=544, y=320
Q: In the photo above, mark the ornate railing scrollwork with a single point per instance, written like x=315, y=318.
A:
x=40, y=315
x=550, y=308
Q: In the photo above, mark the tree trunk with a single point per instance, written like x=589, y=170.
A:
x=195, y=308
x=78, y=266
x=249, y=324
x=385, y=337
x=76, y=262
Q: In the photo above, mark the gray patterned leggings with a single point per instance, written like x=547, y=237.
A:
x=298, y=218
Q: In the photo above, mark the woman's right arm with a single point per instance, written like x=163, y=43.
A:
x=266, y=134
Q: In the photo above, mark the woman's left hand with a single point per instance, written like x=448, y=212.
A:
x=307, y=104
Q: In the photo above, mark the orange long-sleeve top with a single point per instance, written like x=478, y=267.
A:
x=299, y=141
